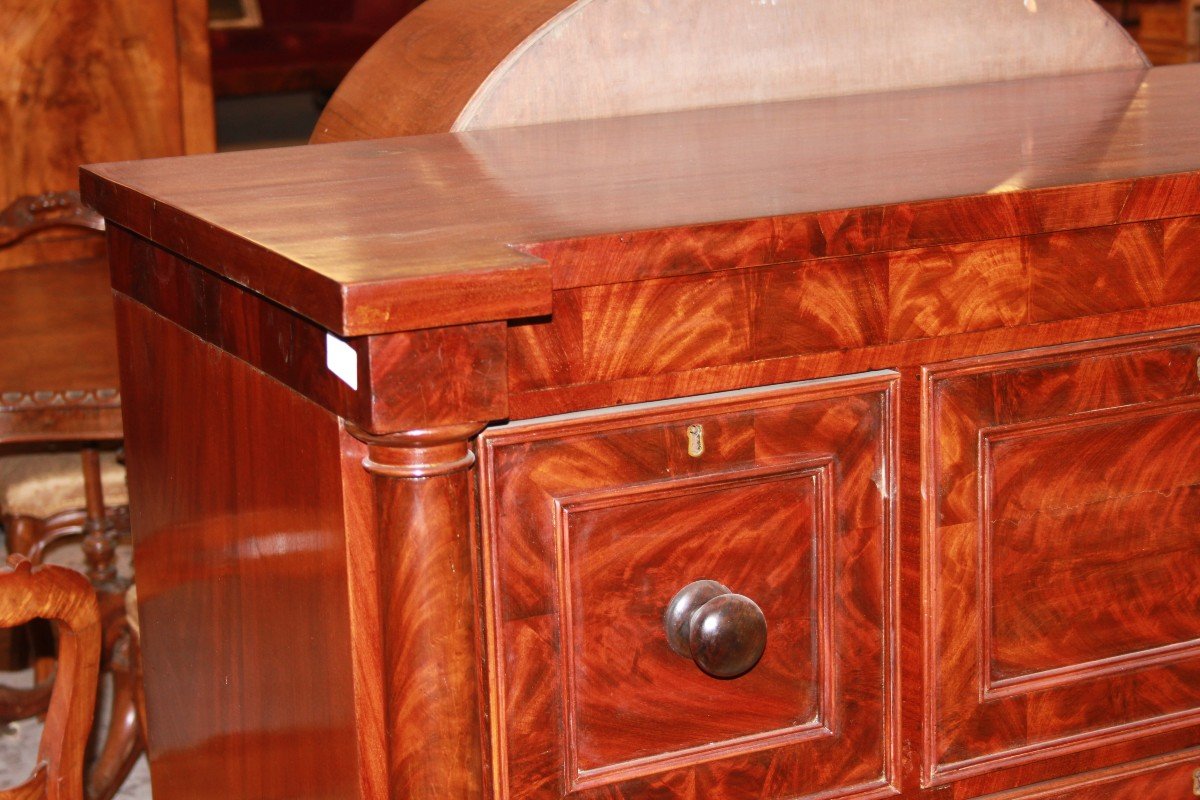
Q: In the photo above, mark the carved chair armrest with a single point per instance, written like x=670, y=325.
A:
x=63, y=596
x=33, y=213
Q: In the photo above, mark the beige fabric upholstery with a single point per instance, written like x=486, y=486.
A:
x=43, y=484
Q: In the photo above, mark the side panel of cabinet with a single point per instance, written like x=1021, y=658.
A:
x=593, y=522
x=236, y=500
x=1062, y=546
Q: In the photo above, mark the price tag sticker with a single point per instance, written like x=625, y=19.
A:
x=342, y=360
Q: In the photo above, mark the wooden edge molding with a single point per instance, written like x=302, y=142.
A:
x=421, y=453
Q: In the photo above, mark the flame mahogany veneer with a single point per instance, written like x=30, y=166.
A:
x=916, y=373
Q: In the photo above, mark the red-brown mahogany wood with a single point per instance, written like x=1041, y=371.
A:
x=238, y=525
x=418, y=232
x=58, y=371
x=427, y=582
x=1061, y=592
x=1027, y=627
x=64, y=597
x=593, y=524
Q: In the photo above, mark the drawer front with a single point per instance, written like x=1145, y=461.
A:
x=1062, y=526
x=594, y=523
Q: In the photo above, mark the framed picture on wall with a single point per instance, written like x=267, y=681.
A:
x=234, y=14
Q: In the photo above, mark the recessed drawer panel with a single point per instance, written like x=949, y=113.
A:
x=764, y=516
x=1063, y=531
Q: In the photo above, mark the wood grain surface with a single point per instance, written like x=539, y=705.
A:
x=1062, y=485
x=593, y=524
x=86, y=82
x=58, y=372
x=604, y=333
x=453, y=66
x=371, y=237
x=251, y=551
x=975, y=567
x=432, y=641
x=64, y=597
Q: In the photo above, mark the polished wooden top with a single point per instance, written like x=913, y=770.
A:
x=401, y=234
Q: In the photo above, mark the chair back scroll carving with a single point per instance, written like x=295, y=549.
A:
x=32, y=213
x=65, y=597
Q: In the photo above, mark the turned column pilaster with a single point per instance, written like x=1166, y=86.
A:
x=432, y=647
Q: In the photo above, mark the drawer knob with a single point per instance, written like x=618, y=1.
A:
x=724, y=633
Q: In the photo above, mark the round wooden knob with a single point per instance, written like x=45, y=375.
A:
x=724, y=633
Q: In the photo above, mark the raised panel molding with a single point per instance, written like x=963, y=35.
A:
x=1187, y=412
x=818, y=475
x=592, y=522
x=1039, y=642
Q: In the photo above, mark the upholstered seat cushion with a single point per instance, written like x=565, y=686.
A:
x=43, y=484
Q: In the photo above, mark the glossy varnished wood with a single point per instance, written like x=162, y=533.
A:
x=473, y=227
x=428, y=584
x=996, y=246
x=593, y=524
x=1062, y=505
x=64, y=597
x=251, y=549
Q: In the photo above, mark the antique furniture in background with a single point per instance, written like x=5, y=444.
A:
x=1170, y=33
x=66, y=598
x=466, y=65
x=298, y=45
x=81, y=82
x=913, y=373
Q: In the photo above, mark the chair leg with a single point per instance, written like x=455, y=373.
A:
x=99, y=539
x=23, y=534
x=101, y=528
x=123, y=741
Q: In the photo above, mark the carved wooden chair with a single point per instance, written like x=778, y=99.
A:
x=48, y=498
x=147, y=94
x=65, y=597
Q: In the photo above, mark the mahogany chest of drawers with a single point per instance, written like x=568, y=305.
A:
x=841, y=448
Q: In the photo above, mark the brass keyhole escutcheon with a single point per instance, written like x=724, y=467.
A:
x=695, y=437
x=1196, y=783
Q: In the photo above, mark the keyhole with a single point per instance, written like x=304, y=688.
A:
x=695, y=434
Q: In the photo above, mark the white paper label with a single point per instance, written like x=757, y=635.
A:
x=342, y=360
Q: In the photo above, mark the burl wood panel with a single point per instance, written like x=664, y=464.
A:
x=85, y=82
x=499, y=63
x=593, y=522
x=236, y=504
x=1061, y=519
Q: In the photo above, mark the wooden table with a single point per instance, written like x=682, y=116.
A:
x=428, y=432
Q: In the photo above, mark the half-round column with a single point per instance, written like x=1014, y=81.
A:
x=432, y=640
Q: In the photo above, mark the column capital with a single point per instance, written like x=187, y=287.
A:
x=421, y=453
